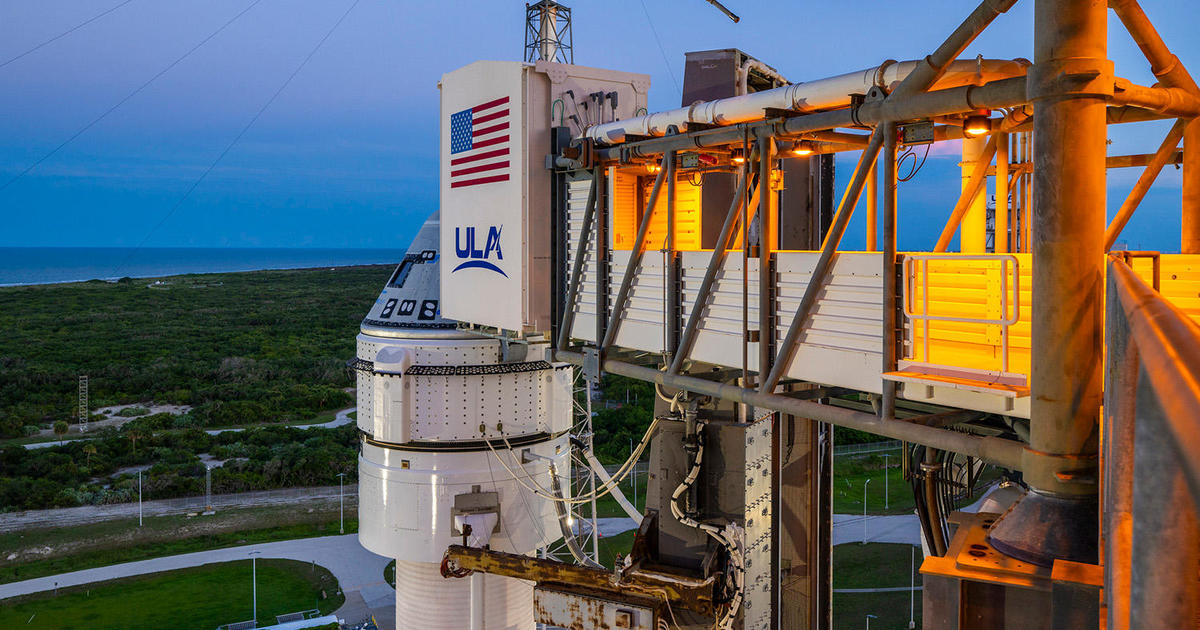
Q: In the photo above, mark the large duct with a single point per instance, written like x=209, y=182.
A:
x=829, y=93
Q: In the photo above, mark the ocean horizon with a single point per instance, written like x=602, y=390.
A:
x=21, y=266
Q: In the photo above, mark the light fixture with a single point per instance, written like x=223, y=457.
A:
x=653, y=168
x=736, y=157
x=802, y=148
x=977, y=125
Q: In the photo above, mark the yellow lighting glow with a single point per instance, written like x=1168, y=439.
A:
x=977, y=125
x=802, y=148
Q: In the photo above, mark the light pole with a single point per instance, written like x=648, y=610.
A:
x=208, y=489
x=254, y=581
x=869, y=618
x=341, y=505
x=865, y=510
x=912, y=586
x=139, y=497
x=885, y=480
x=633, y=475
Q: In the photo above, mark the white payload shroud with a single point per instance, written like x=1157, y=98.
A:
x=442, y=416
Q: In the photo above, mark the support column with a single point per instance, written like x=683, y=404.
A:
x=1058, y=518
x=972, y=235
x=1190, y=236
x=1001, y=225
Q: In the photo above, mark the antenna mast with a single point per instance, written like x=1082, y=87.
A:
x=548, y=32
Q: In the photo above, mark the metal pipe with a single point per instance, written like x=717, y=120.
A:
x=787, y=348
x=1163, y=63
x=969, y=194
x=994, y=95
x=767, y=207
x=568, y=317
x=810, y=96
x=1190, y=209
x=872, y=208
x=1165, y=152
x=1005, y=453
x=715, y=263
x=934, y=66
x=1161, y=100
x=1069, y=194
x=635, y=256
x=1000, y=226
x=888, y=307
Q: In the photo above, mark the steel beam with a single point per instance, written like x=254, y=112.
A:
x=1165, y=152
x=1070, y=38
x=969, y=194
x=715, y=263
x=568, y=317
x=787, y=348
x=635, y=256
x=767, y=240
x=888, y=157
x=999, y=451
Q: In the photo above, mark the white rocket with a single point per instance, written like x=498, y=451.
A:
x=454, y=435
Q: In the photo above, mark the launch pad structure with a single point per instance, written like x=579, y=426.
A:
x=700, y=249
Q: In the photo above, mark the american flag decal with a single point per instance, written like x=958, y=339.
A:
x=479, y=144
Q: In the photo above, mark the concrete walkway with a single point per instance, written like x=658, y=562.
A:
x=899, y=528
x=359, y=572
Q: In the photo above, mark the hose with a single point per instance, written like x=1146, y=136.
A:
x=564, y=525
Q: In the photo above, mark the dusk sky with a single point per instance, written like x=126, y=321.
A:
x=346, y=155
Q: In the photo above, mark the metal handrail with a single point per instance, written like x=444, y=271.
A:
x=1004, y=322
x=1168, y=347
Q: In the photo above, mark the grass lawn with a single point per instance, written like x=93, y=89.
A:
x=112, y=542
x=607, y=506
x=611, y=546
x=851, y=471
x=199, y=597
x=876, y=565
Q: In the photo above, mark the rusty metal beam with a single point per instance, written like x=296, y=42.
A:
x=682, y=591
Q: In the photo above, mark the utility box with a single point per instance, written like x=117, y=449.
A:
x=497, y=224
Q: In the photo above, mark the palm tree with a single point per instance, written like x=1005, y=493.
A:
x=89, y=450
x=60, y=429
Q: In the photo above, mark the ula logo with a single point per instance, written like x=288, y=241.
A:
x=468, y=251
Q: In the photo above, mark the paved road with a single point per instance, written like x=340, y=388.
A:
x=63, y=517
x=342, y=417
x=359, y=572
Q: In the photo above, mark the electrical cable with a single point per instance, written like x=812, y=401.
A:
x=910, y=153
x=661, y=49
x=132, y=94
x=241, y=133
x=66, y=32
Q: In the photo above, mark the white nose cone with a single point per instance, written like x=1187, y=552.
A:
x=454, y=434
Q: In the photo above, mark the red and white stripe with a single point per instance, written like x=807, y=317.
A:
x=488, y=159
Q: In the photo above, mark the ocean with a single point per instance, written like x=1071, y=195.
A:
x=46, y=265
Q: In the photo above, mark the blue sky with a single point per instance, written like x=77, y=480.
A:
x=346, y=157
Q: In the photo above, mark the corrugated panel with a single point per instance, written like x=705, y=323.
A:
x=970, y=289
x=719, y=336
x=642, y=317
x=623, y=202
x=1179, y=280
x=625, y=199
x=585, y=316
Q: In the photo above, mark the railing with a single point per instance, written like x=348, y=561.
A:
x=919, y=263
x=866, y=447
x=1151, y=457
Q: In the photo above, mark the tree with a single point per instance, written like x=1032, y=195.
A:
x=133, y=435
x=60, y=429
x=89, y=450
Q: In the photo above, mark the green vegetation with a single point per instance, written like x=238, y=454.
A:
x=197, y=597
x=240, y=348
x=852, y=471
x=607, y=506
x=876, y=565
x=389, y=574
x=256, y=459
x=133, y=412
x=625, y=414
x=41, y=552
x=612, y=545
